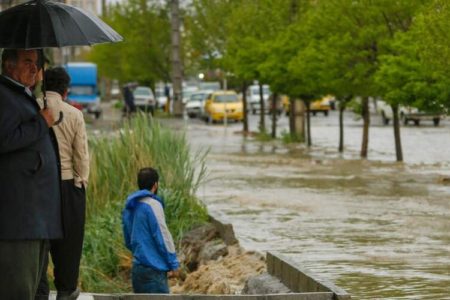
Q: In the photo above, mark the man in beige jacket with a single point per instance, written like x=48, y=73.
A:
x=73, y=150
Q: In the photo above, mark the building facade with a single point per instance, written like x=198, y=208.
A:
x=93, y=6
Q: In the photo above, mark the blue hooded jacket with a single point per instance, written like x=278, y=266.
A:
x=146, y=233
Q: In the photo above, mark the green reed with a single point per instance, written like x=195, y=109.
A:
x=115, y=161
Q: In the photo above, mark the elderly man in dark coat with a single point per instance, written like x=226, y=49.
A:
x=30, y=201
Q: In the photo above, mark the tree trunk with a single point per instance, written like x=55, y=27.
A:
x=398, y=141
x=177, y=72
x=274, y=115
x=244, y=104
x=262, y=122
x=298, y=113
x=107, y=83
x=292, y=130
x=104, y=8
x=341, y=126
x=308, y=123
x=366, y=119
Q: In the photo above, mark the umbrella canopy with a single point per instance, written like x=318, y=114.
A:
x=44, y=23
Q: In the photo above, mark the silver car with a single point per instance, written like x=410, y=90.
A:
x=195, y=106
x=144, y=98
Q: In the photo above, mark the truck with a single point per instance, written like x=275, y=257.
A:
x=253, y=98
x=408, y=114
x=83, y=90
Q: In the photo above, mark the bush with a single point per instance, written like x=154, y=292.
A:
x=114, y=165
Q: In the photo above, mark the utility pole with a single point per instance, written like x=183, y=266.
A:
x=104, y=8
x=177, y=72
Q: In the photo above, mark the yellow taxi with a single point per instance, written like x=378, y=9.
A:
x=221, y=104
x=322, y=105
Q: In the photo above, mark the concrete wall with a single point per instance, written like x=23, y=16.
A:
x=303, y=296
x=303, y=284
x=298, y=279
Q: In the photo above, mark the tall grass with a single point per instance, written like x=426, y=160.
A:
x=114, y=164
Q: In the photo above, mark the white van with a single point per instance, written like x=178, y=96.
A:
x=407, y=114
x=253, y=98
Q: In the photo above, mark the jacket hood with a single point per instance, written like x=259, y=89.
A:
x=134, y=198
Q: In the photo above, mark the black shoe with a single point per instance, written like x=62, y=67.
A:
x=68, y=295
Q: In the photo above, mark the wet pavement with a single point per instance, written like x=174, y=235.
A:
x=377, y=228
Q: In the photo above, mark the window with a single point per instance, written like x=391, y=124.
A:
x=226, y=98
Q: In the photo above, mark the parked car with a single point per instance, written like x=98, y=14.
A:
x=322, y=105
x=407, y=114
x=195, y=106
x=187, y=92
x=209, y=85
x=223, y=104
x=161, y=98
x=144, y=99
x=115, y=90
x=253, y=98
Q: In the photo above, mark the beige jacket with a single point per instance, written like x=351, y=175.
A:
x=72, y=140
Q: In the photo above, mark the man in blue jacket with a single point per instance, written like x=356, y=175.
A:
x=147, y=236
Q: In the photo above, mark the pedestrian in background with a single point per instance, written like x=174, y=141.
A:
x=128, y=96
x=30, y=206
x=147, y=236
x=73, y=150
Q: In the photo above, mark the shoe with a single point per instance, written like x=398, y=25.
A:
x=68, y=295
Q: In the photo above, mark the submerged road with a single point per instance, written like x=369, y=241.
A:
x=377, y=228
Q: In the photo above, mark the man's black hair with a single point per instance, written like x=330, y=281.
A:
x=147, y=177
x=57, y=80
x=11, y=55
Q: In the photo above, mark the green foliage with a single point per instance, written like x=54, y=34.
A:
x=119, y=104
x=114, y=164
x=263, y=136
x=144, y=55
x=288, y=138
x=407, y=76
x=355, y=106
x=432, y=28
x=206, y=34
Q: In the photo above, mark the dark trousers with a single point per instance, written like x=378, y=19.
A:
x=66, y=253
x=146, y=280
x=21, y=265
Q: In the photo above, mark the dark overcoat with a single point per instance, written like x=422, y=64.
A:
x=30, y=199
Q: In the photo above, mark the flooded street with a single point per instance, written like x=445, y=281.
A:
x=377, y=228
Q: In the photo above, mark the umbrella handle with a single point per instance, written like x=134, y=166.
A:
x=61, y=117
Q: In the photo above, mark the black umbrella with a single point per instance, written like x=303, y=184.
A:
x=44, y=23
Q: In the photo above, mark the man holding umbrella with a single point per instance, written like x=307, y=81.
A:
x=30, y=206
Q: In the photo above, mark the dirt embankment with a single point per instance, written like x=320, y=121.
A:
x=212, y=267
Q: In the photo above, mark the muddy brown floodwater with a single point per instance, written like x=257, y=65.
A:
x=378, y=229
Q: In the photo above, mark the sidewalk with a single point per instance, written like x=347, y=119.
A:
x=83, y=296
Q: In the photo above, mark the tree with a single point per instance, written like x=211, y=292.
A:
x=279, y=48
x=403, y=77
x=243, y=46
x=144, y=55
x=432, y=27
x=356, y=34
x=205, y=34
